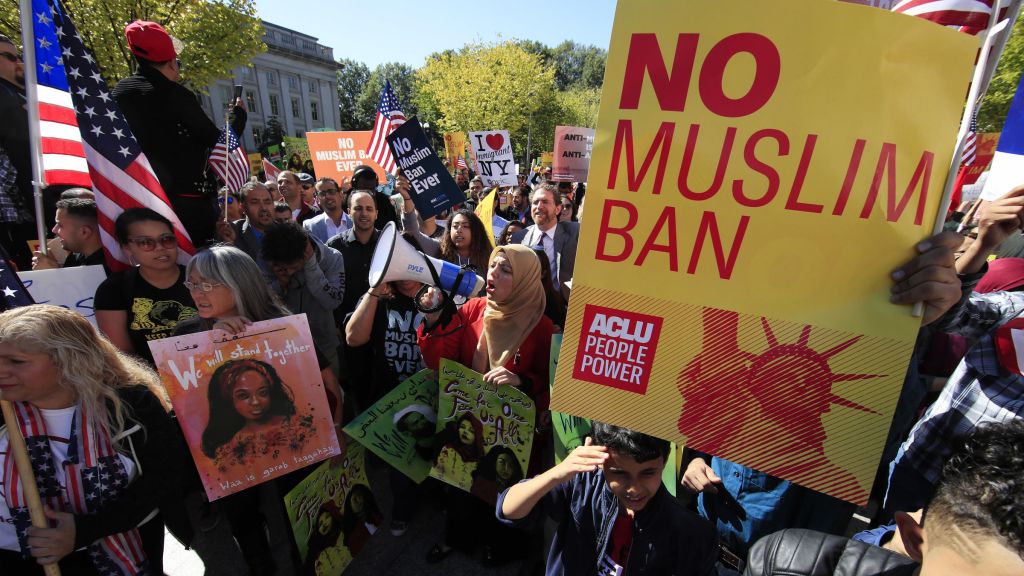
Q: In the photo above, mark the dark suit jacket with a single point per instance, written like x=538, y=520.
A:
x=567, y=235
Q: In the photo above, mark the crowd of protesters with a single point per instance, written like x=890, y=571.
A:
x=948, y=500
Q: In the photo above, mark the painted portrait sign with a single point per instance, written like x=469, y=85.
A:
x=252, y=406
x=486, y=432
x=401, y=428
x=333, y=513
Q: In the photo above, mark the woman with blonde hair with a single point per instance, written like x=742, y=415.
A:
x=105, y=454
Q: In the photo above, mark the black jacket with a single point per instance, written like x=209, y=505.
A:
x=172, y=129
x=14, y=140
x=798, y=552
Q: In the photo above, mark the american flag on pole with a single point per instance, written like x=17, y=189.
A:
x=389, y=117
x=121, y=175
x=228, y=160
x=971, y=14
x=460, y=163
x=270, y=170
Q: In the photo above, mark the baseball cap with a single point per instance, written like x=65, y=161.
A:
x=149, y=41
x=304, y=178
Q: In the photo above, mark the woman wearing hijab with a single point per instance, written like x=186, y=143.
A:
x=506, y=337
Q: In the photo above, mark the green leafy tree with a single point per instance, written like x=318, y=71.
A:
x=402, y=80
x=273, y=134
x=352, y=76
x=491, y=87
x=1004, y=82
x=218, y=36
x=578, y=66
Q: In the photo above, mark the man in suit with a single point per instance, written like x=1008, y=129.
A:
x=557, y=239
x=247, y=234
x=333, y=220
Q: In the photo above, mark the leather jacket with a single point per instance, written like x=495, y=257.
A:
x=798, y=552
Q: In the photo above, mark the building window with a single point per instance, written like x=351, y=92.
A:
x=270, y=34
x=307, y=45
x=300, y=134
x=314, y=110
x=312, y=86
x=257, y=134
x=247, y=72
x=293, y=82
x=295, y=107
x=271, y=79
x=250, y=102
x=275, y=110
x=226, y=92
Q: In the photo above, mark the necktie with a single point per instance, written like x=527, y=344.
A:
x=548, y=244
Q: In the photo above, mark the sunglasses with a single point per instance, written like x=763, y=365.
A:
x=148, y=244
x=231, y=200
x=12, y=58
x=201, y=286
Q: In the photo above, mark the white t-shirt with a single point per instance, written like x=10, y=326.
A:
x=58, y=426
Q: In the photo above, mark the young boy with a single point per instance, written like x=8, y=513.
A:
x=614, y=516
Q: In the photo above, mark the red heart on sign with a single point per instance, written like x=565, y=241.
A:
x=495, y=141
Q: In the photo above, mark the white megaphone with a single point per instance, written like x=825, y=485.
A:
x=394, y=260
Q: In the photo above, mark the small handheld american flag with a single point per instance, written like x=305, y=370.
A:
x=229, y=162
x=389, y=117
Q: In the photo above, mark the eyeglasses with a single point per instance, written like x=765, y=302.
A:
x=147, y=244
x=328, y=191
x=201, y=286
x=12, y=58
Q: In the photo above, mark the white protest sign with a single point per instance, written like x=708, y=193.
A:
x=73, y=288
x=494, y=161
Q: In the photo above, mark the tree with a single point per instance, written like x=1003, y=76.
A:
x=488, y=87
x=578, y=66
x=218, y=36
x=273, y=134
x=1004, y=82
x=402, y=81
x=352, y=77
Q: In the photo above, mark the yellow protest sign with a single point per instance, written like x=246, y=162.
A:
x=754, y=179
x=454, y=148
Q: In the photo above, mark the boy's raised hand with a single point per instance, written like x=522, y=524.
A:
x=586, y=458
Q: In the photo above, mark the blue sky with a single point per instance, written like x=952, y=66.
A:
x=410, y=30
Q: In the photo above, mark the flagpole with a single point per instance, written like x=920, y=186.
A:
x=982, y=75
x=227, y=157
x=32, y=97
x=25, y=474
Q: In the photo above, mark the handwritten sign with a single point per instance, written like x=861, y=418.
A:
x=719, y=296
x=492, y=153
x=401, y=427
x=454, y=148
x=252, y=406
x=486, y=432
x=72, y=288
x=336, y=154
x=571, y=161
x=433, y=189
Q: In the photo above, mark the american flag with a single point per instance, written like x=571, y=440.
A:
x=389, y=117
x=269, y=170
x=970, y=142
x=229, y=162
x=62, y=151
x=460, y=163
x=121, y=175
x=970, y=14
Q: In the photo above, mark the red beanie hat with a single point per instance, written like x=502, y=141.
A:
x=149, y=41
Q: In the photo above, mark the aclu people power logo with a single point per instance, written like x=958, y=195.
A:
x=616, y=348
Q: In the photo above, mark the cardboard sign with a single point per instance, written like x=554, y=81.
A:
x=547, y=159
x=454, y=148
x=571, y=160
x=492, y=156
x=255, y=163
x=486, y=432
x=296, y=154
x=754, y=180
x=336, y=154
x=401, y=427
x=433, y=189
x=332, y=513
x=252, y=406
x=72, y=288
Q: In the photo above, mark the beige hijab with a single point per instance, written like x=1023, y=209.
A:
x=508, y=323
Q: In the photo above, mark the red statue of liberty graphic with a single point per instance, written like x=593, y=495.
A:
x=742, y=405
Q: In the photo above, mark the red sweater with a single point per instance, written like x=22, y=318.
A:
x=457, y=341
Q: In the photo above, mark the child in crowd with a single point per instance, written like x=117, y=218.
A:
x=614, y=516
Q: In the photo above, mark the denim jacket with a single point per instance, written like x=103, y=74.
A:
x=668, y=540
